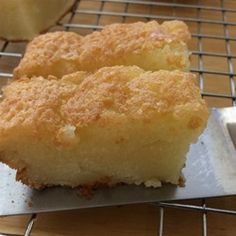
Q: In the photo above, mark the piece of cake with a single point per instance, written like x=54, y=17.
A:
x=150, y=46
x=119, y=124
x=24, y=19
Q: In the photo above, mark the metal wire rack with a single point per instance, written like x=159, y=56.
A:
x=213, y=27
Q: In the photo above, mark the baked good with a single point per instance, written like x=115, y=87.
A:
x=24, y=19
x=150, y=46
x=119, y=124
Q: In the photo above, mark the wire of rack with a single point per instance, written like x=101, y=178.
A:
x=89, y=15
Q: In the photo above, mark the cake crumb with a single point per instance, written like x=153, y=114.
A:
x=30, y=204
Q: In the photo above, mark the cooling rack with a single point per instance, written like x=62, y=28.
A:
x=213, y=27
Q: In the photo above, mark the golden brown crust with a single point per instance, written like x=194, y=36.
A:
x=61, y=53
x=85, y=190
x=99, y=98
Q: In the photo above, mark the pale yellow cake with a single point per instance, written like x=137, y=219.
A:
x=119, y=124
x=151, y=46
